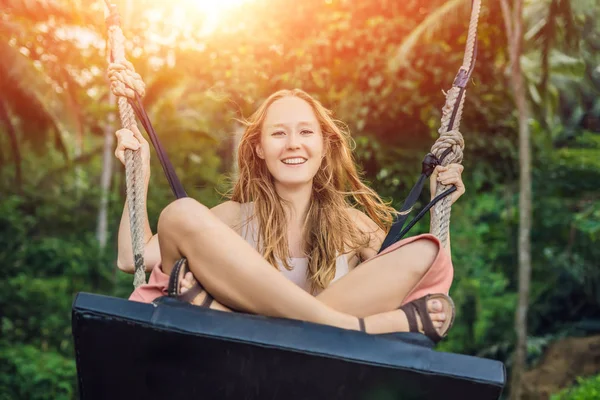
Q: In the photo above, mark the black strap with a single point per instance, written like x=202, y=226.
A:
x=396, y=232
x=427, y=167
x=174, y=182
x=424, y=210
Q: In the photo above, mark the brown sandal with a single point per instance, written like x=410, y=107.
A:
x=180, y=269
x=419, y=307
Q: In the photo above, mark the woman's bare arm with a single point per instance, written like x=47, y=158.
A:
x=368, y=227
x=125, y=260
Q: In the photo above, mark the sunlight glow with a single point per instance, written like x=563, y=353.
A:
x=211, y=10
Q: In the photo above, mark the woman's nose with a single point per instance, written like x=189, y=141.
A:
x=292, y=142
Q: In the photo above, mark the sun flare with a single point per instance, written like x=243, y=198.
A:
x=211, y=10
x=211, y=6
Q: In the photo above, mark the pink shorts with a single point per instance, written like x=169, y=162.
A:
x=156, y=287
x=437, y=279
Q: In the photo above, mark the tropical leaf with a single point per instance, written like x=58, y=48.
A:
x=162, y=83
x=450, y=13
x=31, y=98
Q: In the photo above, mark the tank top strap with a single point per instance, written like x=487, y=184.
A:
x=341, y=266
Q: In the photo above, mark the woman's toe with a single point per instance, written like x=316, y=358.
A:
x=434, y=306
x=186, y=283
x=189, y=279
x=441, y=317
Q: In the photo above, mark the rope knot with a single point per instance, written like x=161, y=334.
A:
x=448, y=148
x=124, y=81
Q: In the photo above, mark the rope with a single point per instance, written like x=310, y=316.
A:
x=126, y=84
x=448, y=148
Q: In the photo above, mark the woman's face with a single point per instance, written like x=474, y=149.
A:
x=291, y=142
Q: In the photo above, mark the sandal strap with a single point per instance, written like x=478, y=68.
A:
x=207, y=300
x=191, y=294
x=409, y=310
x=173, y=287
x=428, y=328
x=419, y=307
x=361, y=324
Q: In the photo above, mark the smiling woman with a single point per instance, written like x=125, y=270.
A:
x=292, y=142
x=298, y=205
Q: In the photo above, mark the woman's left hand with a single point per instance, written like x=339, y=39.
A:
x=448, y=175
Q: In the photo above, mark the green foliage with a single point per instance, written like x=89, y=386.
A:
x=49, y=375
x=586, y=389
x=47, y=258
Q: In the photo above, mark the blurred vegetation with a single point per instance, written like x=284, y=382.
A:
x=586, y=389
x=352, y=56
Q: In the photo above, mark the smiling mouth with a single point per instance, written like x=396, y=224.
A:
x=294, y=161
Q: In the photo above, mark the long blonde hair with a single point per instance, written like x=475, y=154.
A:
x=328, y=229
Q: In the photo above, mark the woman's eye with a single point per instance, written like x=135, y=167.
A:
x=278, y=133
x=306, y=132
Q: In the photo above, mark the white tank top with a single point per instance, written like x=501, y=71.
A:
x=299, y=272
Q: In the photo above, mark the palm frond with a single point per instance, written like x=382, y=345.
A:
x=450, y=13
x=162, y=83
x=30, y=98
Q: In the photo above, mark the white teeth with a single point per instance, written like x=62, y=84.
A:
x=293, y=161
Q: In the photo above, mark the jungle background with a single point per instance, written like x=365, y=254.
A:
x=381, y=65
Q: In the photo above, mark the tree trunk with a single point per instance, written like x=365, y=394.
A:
x=107, y=172
x=524, y=236
x=71, y=164
x=107, y=164
x=514, y=32
x=14, y=144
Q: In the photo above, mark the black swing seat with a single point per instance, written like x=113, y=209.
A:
x=170, y=350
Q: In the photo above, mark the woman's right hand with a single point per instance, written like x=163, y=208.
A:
x=133, y=140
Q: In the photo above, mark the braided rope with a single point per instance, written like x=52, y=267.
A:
x=126, y=84
x=450, y=137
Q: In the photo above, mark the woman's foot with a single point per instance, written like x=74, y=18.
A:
x=439, y=309
x=188, y=282
x=419, y=319
x=184, y=287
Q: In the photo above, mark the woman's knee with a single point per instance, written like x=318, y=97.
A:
x=182, y=214
x=425, y=250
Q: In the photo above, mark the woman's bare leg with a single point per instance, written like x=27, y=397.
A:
x=381, y=284
x=239, y=277
x=377, y=287
x=382, y=322
x=233, y=272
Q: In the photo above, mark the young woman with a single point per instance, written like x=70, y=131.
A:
x=292, y=241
